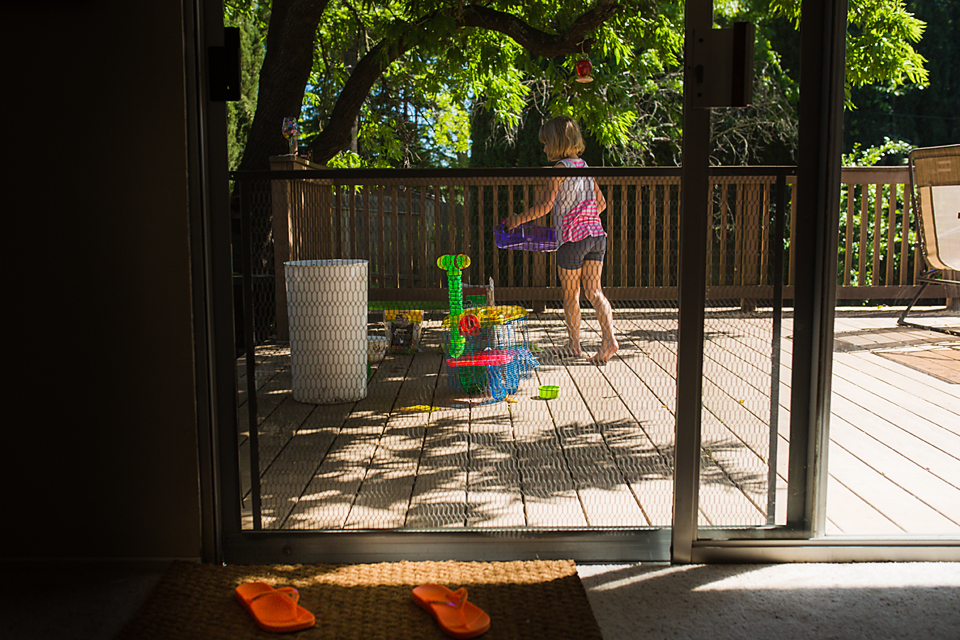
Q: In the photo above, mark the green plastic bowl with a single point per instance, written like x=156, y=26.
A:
x=549, y=391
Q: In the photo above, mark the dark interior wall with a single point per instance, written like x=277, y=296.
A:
x=100, y=438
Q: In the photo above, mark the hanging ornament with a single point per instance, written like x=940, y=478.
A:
x=583, y=70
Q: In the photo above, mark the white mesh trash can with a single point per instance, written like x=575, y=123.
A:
x=327, y=312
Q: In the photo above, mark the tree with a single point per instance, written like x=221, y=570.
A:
x=409, y=64
x=441, y=32
x=922, y=115
x=879, y=45
x=240, y=113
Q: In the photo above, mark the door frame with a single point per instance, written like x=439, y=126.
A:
x=803, y=537
x=224, y=540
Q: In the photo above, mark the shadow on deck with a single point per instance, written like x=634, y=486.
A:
x=417, y=455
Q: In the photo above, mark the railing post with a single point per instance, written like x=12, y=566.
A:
x=749, y=217
x=284, y=200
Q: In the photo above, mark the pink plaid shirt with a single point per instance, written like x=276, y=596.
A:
x=575, y=213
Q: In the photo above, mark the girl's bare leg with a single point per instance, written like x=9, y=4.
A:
x=570, y=285
x=591, y=287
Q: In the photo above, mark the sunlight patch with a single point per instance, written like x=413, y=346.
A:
x=637, y=579
x=820, y=576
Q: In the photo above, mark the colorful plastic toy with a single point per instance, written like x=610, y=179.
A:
x=453, y=266
x=487, y=346
x=549, y=391
x=526, y=237
x=403, y=328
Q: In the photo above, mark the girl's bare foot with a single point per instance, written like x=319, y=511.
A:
x=606, y=352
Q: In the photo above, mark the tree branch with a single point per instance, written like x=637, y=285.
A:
x=283, y=76
x=536, y=41
x=336, y=135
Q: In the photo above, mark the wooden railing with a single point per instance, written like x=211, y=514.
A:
x=880, y=251
x=401, y=221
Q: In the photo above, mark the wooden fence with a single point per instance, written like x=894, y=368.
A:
x=401, y=221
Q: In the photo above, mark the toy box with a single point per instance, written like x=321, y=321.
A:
x=403, y=328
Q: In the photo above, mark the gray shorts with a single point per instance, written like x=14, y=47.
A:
x=571, y=255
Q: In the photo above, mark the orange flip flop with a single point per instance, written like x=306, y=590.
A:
x=275, y=610
x=457, y=617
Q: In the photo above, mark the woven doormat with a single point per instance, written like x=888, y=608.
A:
x=540, y=599
x=943, y=363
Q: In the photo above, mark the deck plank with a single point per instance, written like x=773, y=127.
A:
x=550, y=487
x=383, y=497
x=876, y=490
x=297, y=463
x=904, y=378
x=621, y=425
x=941, y=464
x=733, y=482
x=850, y=513
x=939, y=387
x=739, y=376
x=590, y=403
x=642, y=438
x=438, y=498
x=851, y=380
x=494, y=496
x=657, y=329
x=754, y=335
x=280, y=463
x=909, y=415
x=278, y=419
x=945, y=423
x=414, y=455
x=892, y=464
x=338, y=477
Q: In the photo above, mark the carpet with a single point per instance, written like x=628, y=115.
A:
x=942, y=363
x=855, y=601
x=540, y=599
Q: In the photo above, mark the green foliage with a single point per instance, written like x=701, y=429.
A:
x=880, y=39
x=924, y=115
x=253, y=25
x=632, y=57
x=460, y=89
x=871, y=156
x=419, y=112
x=870, y=233
x=346, y=160
x=633, y=113
x=649, y=106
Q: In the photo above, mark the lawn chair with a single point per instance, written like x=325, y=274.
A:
x=935, y=172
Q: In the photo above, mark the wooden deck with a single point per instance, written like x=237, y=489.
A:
x=415, y=455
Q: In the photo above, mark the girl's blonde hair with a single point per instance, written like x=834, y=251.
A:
x=562, y=137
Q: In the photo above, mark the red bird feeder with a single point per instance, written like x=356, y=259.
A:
x=583, y=70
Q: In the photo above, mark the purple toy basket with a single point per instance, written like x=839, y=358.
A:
x=526, y=237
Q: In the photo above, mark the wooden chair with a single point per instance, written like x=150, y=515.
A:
x=935, y=177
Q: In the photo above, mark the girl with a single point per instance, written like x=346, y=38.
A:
x=576, y=204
